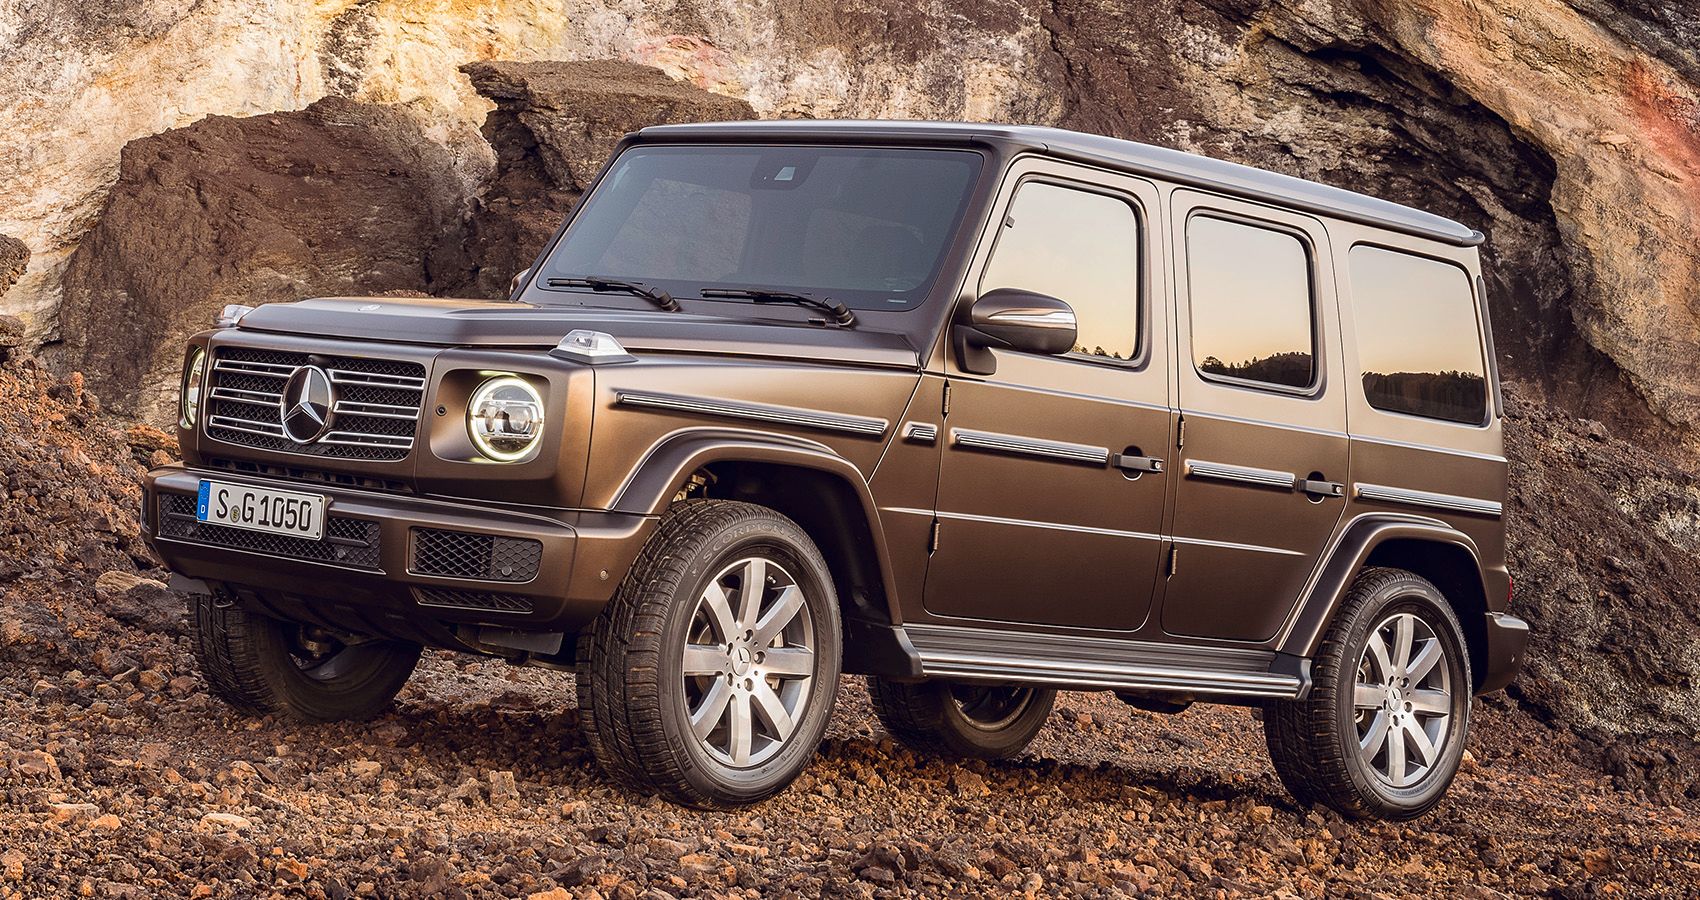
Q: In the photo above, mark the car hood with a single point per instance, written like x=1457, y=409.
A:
x=484, y=323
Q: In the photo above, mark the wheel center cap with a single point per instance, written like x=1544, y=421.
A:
x=741, y=660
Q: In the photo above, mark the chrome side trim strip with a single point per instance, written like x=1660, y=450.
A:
x=1026, y=446
x=781, y=415
x=1198, y=468
x=1230, y=545
x=921, y=432
x=1452, y=502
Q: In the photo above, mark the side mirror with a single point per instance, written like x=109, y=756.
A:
x=1013, y=319
x=515, y=282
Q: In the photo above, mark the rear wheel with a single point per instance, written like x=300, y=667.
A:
x=265, y=666
x=1384, y=727
x=959, y=719
x=711, y=676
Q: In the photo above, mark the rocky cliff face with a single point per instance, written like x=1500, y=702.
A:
x=1568, y=130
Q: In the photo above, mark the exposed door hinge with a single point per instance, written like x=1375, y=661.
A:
x=1174, y=559
x=945, y=405
x=1180, y=434
x=933, y=540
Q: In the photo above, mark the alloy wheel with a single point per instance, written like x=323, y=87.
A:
x=749, y=662
x=1402, y=700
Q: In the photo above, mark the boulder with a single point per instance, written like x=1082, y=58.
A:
x=338, y=198
x=553, y=126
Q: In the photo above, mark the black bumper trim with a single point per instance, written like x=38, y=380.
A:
x=1507, y=648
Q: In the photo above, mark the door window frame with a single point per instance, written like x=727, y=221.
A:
x=1319, y=374
x=1141, y=358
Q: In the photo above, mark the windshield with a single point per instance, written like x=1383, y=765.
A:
x=865, y=226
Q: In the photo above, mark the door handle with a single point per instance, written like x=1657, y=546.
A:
x=1130, y=463
x=1317, y=488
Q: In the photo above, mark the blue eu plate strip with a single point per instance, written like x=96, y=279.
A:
x=201, y=501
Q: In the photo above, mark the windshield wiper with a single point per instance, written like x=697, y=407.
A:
x=840, y=313
x=656, y=296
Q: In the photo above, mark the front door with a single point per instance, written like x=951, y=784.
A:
x=1050, y=505
x=1263, y=416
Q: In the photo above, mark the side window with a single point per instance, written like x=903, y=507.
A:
x=1080, y=247
x=1419, y=343
x=1252, y=316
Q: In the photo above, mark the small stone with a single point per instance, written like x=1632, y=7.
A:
x=151, y=679
x=72, y=812
x=212, y=821
x=108, y=822
x=969, y=784
x=365, y=769
x=1262, y=814
x=503, y=789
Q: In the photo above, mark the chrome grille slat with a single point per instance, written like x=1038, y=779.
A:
x=377, y=408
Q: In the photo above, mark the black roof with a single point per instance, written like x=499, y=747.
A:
x=1131, y=156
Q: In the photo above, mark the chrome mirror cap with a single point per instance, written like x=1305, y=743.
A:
x=231, y=315
x=591, y=347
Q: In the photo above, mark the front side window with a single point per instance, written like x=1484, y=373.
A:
x=865, y=226
x=1252, y=316
x=1419, y=342
x=1082, y=248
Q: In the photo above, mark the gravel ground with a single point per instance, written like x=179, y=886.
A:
x=121, y=777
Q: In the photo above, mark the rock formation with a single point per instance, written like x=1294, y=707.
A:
x=553, y=126
x=14, y=259
x=340, y=198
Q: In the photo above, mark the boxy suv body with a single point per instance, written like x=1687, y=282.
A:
x=979, y=412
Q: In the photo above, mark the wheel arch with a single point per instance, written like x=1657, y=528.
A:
x=1427, y=547
x=824, y=493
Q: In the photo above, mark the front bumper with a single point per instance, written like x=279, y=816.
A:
x=369, y=576
x=1507, y=646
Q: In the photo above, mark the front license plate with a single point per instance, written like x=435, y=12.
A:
x=261, y=509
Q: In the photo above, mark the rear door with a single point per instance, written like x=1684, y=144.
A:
x=1263, y=449
x=1047, y=511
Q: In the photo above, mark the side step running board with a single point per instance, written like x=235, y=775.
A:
x=1069, y=661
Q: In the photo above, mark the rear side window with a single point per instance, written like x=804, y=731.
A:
x=1082, y=248
x=1250, y=291
x=1419, y=342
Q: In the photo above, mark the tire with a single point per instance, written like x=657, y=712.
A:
x=266, y=667
x=960, y=720
x=686, y=697
x=1414, y=719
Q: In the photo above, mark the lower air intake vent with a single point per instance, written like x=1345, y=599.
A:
x=480, y=601
x=484, y=557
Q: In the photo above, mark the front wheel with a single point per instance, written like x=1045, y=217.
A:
x=710, y=677
x=1384, y=727
x=269, y=667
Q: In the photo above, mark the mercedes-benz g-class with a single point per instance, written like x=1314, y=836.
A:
x=978, y=412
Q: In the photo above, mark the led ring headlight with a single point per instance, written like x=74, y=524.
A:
x=505, y=418
x=192, y=388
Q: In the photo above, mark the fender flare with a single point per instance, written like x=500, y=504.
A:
x=663, y=471
x=1303, y=636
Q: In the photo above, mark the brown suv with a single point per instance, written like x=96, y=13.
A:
x=979, y=412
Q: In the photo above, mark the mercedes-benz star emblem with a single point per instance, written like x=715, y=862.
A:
x=308, y=398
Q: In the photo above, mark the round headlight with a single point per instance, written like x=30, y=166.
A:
x=505, y=418
x=192, y=388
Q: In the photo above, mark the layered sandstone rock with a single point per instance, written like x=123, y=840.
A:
x=340, y=198
x=553, y=126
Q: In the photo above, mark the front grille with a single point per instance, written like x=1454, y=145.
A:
x=486, y=557
x=375, y=418
x=480, y=601
x=347, y=542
